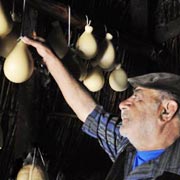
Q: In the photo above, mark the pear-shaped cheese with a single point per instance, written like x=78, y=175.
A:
x=19, y=65
x=5, y=24
x=118, y=79
x=86, y=44
x=30, y=172
x=107, y=59
x=94, y=81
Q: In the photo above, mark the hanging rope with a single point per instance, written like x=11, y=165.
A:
x=22, y=25
x=69, y=26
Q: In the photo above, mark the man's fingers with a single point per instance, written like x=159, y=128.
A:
x=30, y=42
x=41, y=48
x=40, y=39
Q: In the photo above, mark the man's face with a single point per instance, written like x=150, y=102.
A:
x=139, y=114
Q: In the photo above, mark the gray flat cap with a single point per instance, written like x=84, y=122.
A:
x=160, y=81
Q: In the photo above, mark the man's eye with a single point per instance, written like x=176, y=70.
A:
x=135, y=96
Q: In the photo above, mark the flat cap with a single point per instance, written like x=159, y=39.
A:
x=161, y=81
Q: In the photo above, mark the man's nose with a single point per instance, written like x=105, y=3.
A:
x=125, y=104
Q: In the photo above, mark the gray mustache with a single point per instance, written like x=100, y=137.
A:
x=124, y=114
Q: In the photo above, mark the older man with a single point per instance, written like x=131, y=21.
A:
x=146, y=144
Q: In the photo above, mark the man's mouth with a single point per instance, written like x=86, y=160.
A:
x=124, y=117
x=124, y=120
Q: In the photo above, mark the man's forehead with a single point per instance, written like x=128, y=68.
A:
x=139, y=88
x=144, y=89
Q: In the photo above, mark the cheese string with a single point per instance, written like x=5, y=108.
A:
x=32, y=167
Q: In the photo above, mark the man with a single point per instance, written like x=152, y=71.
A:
x=146, y=145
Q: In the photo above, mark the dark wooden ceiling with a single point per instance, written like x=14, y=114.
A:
x=34, y=113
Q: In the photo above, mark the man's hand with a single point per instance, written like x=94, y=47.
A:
x=76, y=96
x=40, y=46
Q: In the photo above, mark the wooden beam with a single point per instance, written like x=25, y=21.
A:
x=127, y=41
x=58, y=11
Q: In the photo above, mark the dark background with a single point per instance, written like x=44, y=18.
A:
x=34, y=113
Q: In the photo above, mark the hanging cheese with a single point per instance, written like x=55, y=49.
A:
x=19, y=65
x=107, y=57
x=30, y=172
x=86, y=44
x=5, y=24
x=118, y=79
x=94, y=81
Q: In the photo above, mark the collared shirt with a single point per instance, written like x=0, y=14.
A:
x=105, y=127
x=145, y=156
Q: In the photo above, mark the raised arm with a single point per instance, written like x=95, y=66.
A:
x=76, y=96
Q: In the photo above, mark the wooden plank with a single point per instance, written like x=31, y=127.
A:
x=58, y=11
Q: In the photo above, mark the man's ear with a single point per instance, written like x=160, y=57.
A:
x=170, y=108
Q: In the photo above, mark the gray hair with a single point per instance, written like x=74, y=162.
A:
x=171, y=96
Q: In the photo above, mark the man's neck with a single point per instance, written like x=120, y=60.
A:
x=163, y=138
